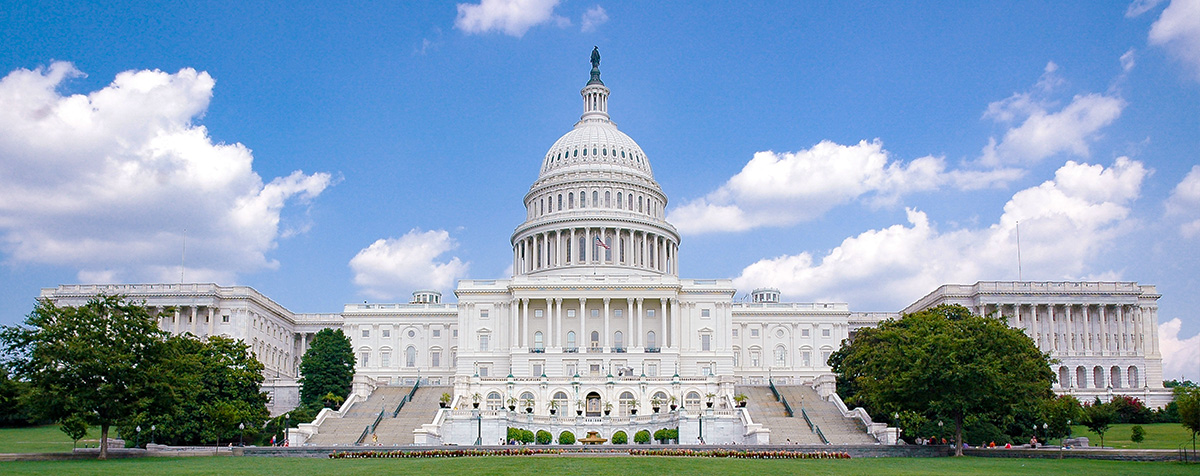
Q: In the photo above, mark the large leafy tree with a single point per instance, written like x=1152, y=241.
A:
x=327, y=367
x=943, y=363
x=100, y=362
x=1188, y=399
x=222, y=381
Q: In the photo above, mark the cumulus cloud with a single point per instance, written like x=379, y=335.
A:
x=118, y=181
x=593, y=18
x=1181, y=357
x=512, y=17
x=394, y=267
x=1185, y=202
x=1139, y=7
x=1044, y=129
x=1178, y=30
x=1064, y=222
x=779, y=189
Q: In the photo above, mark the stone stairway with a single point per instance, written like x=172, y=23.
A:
x=838, y=429
x=764, y=409
x=346, y=429
x=420, y=410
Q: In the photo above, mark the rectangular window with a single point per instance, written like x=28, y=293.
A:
x=385, y=359
x=364, y=358
x=387, y=333
x=224, y=318
x=735, y=332
x=483, y=313
x=617, y=312
x=435, y=359
x=570, y=313
x=437, y=332
x=706, y=370
x=571, y=368
x=650, y=313
x=824, y=356
x=736, y=353
x=454, y=333
x=537, y=369
x=754, y=359
x=705, y=313
x=804, y=333
x=753, y=332
x=483, y=370
x=366, y=333
x=595, y=313
x=537, y=313
x=483, y=343
x=824, y=332
x=705, y=342
x=594, y=369
x=652, y=370
x=806, y=358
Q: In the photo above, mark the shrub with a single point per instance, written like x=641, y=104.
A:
x=641, y=437
x=620, y=438
x=665, y=435
x=1138, y=434
x=566, y=438
x=526, y=436
x=544, y=437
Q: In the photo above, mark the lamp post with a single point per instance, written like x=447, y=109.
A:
x=137, y=441
x=896, y=421
x=1046, y=431
x=152, y=428
x=285, y=428
x=241, y=434
x=941, y=434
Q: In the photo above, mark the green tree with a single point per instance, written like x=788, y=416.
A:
x=327, y=367
x=1098, y=417
x=544, y=437
x=75, y=428
x=1059, y=412
x=1188, y=401
x=620, y=438
x=1137, y=434
x=13, y=396
x=943, y=362
x=100, y=362
x=641, y=437
x=222, y=381
x=566, y=438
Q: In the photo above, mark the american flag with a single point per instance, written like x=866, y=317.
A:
x=601, y=243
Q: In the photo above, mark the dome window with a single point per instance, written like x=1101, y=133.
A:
x=593, y=151
x=622, y=154
x=585, y=152
x=604, y=152
x=576, y=152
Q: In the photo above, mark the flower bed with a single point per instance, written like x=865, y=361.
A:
x=456, y=453
x=753, y=454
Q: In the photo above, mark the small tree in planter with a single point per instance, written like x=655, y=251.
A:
x=512, y=403
x=445, y=400
x=620, y=438
x=641, y=437
x=741, y=400
x=674, y=402
x=656, y=404
x=633, y=404
x=579, y=407
x=607, y=408
x=709, y=396
x=544, y=437
x=566, y=438
x=475, y=399
x=528, y=405
x=552, y=405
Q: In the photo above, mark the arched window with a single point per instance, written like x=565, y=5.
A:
x=604, y=152
x=582, y=247
x=1080, y=377
x=737, y=352
x=780, y=356
x=595, y=339
x=650, y=343
x=537, y=340
x=607, y=199
x=1098, y=377
x=582, y=199
x=560, y=207
x=608, y=248
x=1133, y=376
x=595, y=198
x=661, y=397
x=585, y=151
x=493, y=401
x=1064, y=377
x=410, y=356
x=571, y=340
x=571, y=200
x=564, y=405
x=692, y=400
x=626, y=403
x=630, y=198
x=619, y=340
x=619, y=200
x=576, y=153
x=526, y=399
x=639, y=203
x=1115, y=378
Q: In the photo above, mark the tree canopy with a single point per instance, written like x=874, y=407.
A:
x=100, y=362
x=943, y=363
x=327, y=367
x=1188, y=398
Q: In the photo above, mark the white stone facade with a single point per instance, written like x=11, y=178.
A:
x=595, y=314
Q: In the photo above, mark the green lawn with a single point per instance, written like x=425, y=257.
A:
x=1158, y=435
x=560, y=465
x=42, y=439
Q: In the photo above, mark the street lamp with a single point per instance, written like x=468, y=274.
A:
x=138, y=439
x=241, y=434
x=152, y=434
x=941, y=434
x=479, y=428
x=285, y=428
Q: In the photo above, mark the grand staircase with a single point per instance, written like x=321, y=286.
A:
x=772, y=414
x=347, y=429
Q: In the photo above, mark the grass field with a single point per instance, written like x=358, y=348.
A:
x=42, y=439
x=1159, y=435
x=560, y=465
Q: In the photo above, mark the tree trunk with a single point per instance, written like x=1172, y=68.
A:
x=958, y=441
x=104, y=441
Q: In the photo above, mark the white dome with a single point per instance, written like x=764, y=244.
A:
x=596, y=143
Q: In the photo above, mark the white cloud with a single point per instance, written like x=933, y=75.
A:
x=395, y=267
x=593, y=18
x=1064, y=223
x=1178, y=29
x=1128, y=61
x=108, y=182
x=513, y=17
x=1185, y=202
x=1139, y=7
x=1181, y=357
x=780, y=189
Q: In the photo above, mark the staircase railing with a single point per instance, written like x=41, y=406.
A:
x=820, y=434
x=371, y=428
x=407, y=398
x=779, y=397
x=807, y=419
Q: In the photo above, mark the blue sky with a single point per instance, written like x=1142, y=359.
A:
x=326, y=154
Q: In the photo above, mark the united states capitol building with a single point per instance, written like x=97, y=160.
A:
x=595, y=330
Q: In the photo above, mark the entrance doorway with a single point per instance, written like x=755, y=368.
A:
x=593, y=404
